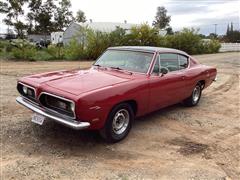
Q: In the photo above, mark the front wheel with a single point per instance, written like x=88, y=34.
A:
x=195, y=96
x=118, y=124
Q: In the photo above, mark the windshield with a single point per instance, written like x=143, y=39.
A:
x=126, y=60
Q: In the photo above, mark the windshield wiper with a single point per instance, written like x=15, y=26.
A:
x=120, y=69
x=97, y=65
x=117, y=68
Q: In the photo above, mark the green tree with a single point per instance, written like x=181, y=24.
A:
x=143, y=35
x=162, y=20
x=63, y=16
x=232, y=35
x=169, y=30
x=44, y=18
x=34, y=7
x=3, y=7
x=187, y=40
x=80, y=17
x=117, y=37
x=14, y=11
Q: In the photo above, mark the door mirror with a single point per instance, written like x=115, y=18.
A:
x=163, y=71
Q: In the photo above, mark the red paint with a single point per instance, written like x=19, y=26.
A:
x=106, y=88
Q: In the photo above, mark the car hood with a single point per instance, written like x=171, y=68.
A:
x=78, y=82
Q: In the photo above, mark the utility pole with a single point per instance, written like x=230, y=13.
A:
x=215, y=28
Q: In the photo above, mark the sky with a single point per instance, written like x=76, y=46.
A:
x=202, y=14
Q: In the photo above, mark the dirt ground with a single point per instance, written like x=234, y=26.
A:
x=174, y=143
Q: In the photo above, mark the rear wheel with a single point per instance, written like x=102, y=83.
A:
x=118, y=124
x=195, y=96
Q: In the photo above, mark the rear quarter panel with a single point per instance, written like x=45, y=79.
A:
x=199, y=72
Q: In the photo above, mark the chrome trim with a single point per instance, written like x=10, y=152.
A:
x=67, y=122
x=158, y=58
x=215, y=79
x=56, y=96
x=30, y=88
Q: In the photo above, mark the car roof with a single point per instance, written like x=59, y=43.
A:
x=148, y=49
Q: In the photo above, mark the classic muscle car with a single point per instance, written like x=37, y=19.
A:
x=124, y=83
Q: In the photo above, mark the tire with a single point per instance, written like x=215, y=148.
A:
x=118, y=124
x=195, y=96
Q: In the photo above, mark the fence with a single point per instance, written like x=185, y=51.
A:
x=227, y=47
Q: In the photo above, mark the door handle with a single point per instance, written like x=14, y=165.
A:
x=183, y=77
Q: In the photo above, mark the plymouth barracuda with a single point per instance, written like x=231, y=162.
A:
x=124, y=83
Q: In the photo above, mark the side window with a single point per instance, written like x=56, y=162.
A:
x=183, y=62
x=156, y=67
x=169, y=61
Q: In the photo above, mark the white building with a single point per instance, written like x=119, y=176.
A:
x=74, y=29
x=57, y=37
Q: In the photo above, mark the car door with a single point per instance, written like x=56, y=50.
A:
x=166, y=89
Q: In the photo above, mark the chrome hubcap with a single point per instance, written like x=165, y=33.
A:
x=120, y=121
x=196, y=93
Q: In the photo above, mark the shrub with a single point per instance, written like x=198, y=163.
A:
x=143, y=35
x=42, y=55
x=213, y=46
x=23, y=50
x=97, y=43
x=55, y=51
x=74, y=50
x=117, y=37
x=186, y=40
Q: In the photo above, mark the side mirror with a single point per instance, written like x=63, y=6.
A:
x=163, y=71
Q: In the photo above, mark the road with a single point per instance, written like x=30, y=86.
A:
x=174, y=143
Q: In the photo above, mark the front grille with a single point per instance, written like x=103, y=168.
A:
x=26, y=91
x=57, y=104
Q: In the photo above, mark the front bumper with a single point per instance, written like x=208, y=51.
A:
x=65, y=121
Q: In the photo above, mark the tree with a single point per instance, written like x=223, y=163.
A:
x=161, y=18
x=232, y=35
x=228, y=30
x=143, y=35
x=3, y=7
x=34, y=7
x=14, y=12
x=169, y=30
x=212, y=36
x=80, y=17
x=44, y=18
x=63, y=16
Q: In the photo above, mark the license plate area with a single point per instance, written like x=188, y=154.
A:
x=38, y=119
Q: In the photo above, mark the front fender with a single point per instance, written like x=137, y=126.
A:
x=95, y=106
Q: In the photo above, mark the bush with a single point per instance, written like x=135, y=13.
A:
x=74, y=50
x=213, y=46
x=186, y=40
x=189, y=40
x=42, y=55
x=55, y=51
x=143, y=35
x=23, y=50
x=5, y=46
x=89, y=44
x=97, y=43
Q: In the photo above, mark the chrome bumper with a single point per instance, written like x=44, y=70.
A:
x=67, y=122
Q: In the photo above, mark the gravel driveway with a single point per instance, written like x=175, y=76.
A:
x=174, y=143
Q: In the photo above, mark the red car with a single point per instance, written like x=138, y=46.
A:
x=124, y=83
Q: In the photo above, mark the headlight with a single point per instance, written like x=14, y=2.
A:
x=72, y=107
x=62, y=105
x=25, y=89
